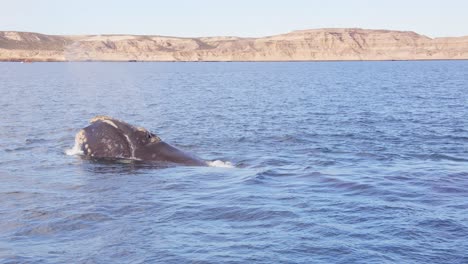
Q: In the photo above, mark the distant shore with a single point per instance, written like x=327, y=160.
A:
x=108, y=61
x=342, y=44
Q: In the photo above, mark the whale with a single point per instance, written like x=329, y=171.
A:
x=109, y=138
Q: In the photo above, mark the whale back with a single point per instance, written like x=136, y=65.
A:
x=105, y=141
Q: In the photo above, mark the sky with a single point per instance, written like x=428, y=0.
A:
x=246, y=18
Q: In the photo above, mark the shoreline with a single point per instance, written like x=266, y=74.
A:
x=211, y=61
x=345, y=44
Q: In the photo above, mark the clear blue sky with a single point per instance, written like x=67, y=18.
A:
x=435, y=18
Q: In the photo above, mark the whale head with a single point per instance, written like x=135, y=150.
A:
x=107, y=137
x=110, y=138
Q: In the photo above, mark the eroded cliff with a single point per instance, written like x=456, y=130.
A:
x=316, y=44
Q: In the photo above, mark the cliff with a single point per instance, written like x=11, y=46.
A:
x=303, y=45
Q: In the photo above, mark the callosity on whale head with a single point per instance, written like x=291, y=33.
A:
x=109, y=138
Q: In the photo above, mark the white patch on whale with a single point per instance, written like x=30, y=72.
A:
x=110, y=123
x=132, y=148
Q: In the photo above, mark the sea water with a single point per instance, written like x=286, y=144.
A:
x=312, y=162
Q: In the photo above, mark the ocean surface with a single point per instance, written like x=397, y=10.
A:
x=332, y=162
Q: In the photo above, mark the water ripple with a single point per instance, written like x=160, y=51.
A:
x=337, y=162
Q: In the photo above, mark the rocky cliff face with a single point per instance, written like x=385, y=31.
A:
x=317, y=44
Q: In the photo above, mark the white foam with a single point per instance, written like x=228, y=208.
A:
x=220, y=164
x=76, y=150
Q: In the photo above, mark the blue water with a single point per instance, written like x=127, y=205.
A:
x=335, y=162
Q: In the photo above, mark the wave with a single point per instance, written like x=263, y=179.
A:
x=437, y=157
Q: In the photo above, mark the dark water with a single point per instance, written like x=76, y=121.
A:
x=346, y=162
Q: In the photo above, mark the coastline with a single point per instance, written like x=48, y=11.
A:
x=345, y=44
x=220, y=61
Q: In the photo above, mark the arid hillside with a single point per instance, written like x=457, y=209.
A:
x=303, y=45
